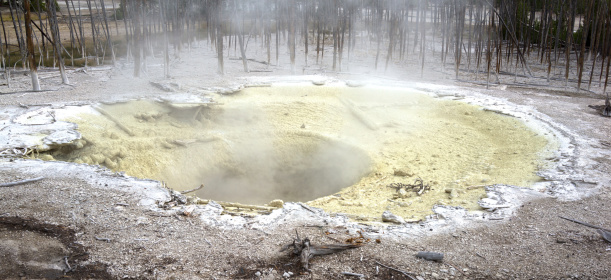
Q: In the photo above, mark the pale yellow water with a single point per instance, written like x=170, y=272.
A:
x=304, y=142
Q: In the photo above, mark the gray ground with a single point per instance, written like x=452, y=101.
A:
x=96, y=224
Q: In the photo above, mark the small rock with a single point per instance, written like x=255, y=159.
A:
x=258, y=273
x=188, y=211
x=404, y=194
x=142, y=221
x=434, y=275
x=403, y=172
x=387, y=216
x=430, y=256
x=287, y=274
x=453, y=194
x=276, y=203
x=419, y=277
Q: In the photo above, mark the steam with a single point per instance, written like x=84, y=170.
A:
x=256, y=163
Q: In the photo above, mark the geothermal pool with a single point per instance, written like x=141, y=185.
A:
x=336, y=147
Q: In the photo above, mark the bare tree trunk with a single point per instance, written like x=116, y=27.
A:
x=584, y=35
x=30, y=43
x=291, y=36
x=135, y=13
x=218, y=27
x=57, y=48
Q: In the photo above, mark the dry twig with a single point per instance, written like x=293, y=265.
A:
x=397, y=270
x=193, y=190
x=605, y=233
x=10, y=184
x=353, y=274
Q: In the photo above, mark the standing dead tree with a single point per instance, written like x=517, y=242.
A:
x=30, y=43
x=57, y=48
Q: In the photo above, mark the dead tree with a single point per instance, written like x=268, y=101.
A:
x=30, y=43
x=57, y=48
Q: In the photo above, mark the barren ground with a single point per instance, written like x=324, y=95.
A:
x=103, y=225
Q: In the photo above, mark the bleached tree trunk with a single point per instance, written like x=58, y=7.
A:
x=57, y=48
x=30, y=43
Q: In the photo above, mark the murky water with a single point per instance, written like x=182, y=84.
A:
x=340, y=147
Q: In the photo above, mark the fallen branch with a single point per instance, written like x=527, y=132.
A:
x=10, y=184
x=236, y=205
x=585, y=224
x=305, y=250
x=68, y=268
x=397, y=270
x=353, y=274
x=306, y=207
x=193, y=190
x=102, y=239
x=117, y=122
x=605, y=233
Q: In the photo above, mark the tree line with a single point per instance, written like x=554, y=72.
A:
x=569, y=39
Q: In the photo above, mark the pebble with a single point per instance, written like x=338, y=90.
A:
x=258, y=273
x=387, y=216
x=434, y=275
x=276, y=203
x=404, y=194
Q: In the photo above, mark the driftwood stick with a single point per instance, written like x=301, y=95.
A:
x=113, y=119
x=102, y=239
x=236, y=205
x=353, y=274
x=68, y=268
x=306, y=207
x=397, y=270
x=585, y=224
x=193, y=190
x=10, y=184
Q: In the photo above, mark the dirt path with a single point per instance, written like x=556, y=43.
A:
x=97, y=224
